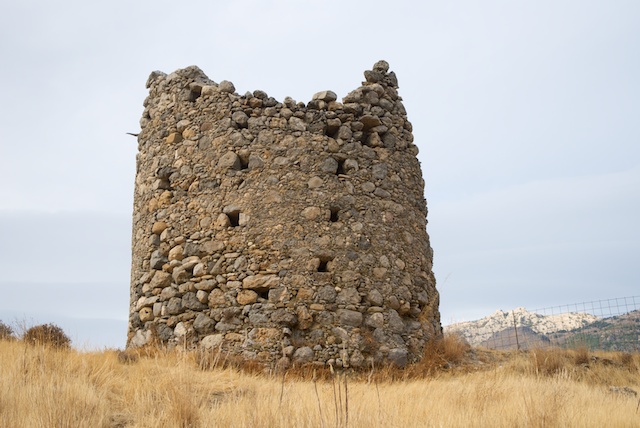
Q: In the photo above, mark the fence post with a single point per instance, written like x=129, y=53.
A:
x=515, y=327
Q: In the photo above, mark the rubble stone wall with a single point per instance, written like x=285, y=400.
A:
x=281, y=231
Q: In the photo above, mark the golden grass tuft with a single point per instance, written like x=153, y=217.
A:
x=581, y=356
x=548, y=361
x=456, y=387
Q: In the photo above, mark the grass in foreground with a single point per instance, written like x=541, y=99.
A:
x=42, y=386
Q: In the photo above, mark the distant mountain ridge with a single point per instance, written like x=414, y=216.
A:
x=616, y=333
x=477, y=332
x=496, y=331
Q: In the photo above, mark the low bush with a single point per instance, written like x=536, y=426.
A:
x=48, y=335
x=6, y=332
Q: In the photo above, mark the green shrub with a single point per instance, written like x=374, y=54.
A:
x=49, y=335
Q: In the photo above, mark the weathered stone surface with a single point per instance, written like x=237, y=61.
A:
x=157, y=260
x=167, y=293
x=189, y=263
x=255, y=162
x=284, y=317
x=330, y=166
x=226, y=86
x=145, y=301
x=217, y=298
x=146, y=314
x=180, y=275
x=279, y=295
x=190, y=301
x=174, y=306
x=209, y=90
x=158, y=227
x=246, y=297
x=226, y=326
x=375, y=297
x=379, y=272
x=381, y=66
x=206, y=285
x=202, y=296
x=282, y=232
x=315, y=182
x=161, y=280
x=223, y=221
x=398, y=356
x=305, y=319
x=381, y=193
x=348, y=317
x=176, y=253
x=212, y=341
x=212, y=247
x=303, y=355
x=315, y=213
x=140, y=338
x=327, y=294
x=370, y=121
x=180, y=330
x=260, y=282
x=326, y=96
x=203, y=324
x=229, y=160
x=348, y=296
x=297, y=124
x=368, y=187
x=350, y=166
x=396, y=324
x=265, y=336
x=182, y=125
x=174, y=138
x=199, y=270
x=240, y=118
x=379, y=171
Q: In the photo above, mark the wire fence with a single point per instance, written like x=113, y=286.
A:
x=609, y=325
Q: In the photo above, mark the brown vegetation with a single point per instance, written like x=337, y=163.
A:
x=48, y=335
x=453, y=386
x=6, y=332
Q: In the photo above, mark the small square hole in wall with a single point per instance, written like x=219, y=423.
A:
x=325, y=264
x=340, y=167
x=334, y=214
x=234, y=218
x=194, y=95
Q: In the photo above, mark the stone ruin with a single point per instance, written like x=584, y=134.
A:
x=282, y=232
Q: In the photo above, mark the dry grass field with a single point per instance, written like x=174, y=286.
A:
x=42, y=386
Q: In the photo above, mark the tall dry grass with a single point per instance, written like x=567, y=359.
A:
x=47, y=387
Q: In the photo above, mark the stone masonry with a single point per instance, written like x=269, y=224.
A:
x=278, y=231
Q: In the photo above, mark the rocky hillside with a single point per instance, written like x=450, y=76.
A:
x=484, y=329
x=618, y=333
x=496, y=331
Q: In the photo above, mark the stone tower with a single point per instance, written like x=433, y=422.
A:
x=279, y=231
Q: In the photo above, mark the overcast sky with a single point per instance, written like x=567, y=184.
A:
x=527, y=116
